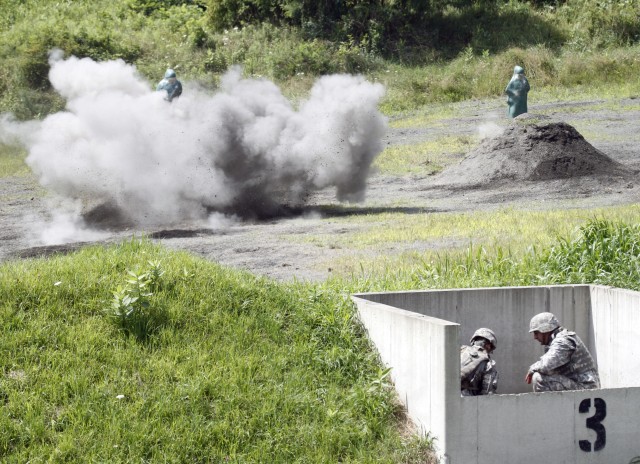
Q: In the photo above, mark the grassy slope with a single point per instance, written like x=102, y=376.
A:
x=233, y=368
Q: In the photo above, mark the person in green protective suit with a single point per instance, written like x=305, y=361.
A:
x=171, y=85
x=516, y=91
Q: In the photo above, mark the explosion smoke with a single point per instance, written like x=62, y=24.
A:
x=243, y=150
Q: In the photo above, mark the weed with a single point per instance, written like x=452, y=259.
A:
x=131, y=307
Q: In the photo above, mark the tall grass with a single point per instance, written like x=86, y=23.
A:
x=583, y=46
x=601, y=252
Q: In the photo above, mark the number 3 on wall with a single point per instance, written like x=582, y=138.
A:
x=594, y=423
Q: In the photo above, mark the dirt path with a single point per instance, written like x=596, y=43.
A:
x=276, y=248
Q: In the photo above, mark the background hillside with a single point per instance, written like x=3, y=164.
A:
x=423, y=50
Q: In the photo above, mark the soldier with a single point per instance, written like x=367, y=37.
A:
x=566, y=363
x=516, y=91
x=478, y=375
x=171, y=85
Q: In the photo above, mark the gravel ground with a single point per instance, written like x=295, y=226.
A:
x=276, y=247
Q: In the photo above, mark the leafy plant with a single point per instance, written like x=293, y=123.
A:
x=131, y=306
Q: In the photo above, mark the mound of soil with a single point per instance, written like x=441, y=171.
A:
x=532, y=148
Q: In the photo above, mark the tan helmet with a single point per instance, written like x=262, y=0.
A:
x=486, y=334
x=543, y=322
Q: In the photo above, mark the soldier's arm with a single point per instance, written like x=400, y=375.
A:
x=558, y=355
x=490, y=381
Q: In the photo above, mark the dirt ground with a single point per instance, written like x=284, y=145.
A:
x=276, y=247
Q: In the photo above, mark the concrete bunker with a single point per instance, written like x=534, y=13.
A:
x=418, y=334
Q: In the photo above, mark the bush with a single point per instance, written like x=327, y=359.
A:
x=601, y=24
x=148, y=7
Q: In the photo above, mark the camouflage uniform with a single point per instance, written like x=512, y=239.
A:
x=485, y=379
x=484, y=384
x=566, y=365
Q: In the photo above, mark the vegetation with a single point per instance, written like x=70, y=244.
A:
x=134, y=353
x=424, y=50
x=12, y=161
x=422, y=158
x=602, y=252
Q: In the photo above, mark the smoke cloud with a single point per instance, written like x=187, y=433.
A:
x=243, y=150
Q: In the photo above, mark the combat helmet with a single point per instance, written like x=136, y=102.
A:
x=543, y=322
x=170, y=73
x=486, y=334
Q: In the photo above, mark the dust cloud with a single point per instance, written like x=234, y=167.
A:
x=489, y=130
x=243, y=150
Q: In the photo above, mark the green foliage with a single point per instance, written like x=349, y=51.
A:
x=148, y=7
x=226, y=14
x=600, y=23
x=604, y=253
x=282, y=54
x=132, y=307
x=243, y=369
x=436, y=50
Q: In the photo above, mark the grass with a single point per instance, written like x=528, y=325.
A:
x=423, y=158
x=600, y=252
x=516, y=229
x=12, y=162
x=206, y=364
x=233, y=368
x=573, y=51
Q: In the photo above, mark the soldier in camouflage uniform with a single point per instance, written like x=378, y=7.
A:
x=566, y=363
x=484, y=380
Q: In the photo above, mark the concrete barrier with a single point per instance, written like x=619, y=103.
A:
x=418, y=334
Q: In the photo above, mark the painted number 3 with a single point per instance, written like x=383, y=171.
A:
x=594, y=423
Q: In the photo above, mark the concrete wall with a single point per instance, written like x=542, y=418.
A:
x=505, y=310
x=616, y=315
x=423, y=377
x=548, y=428
x=512, y=427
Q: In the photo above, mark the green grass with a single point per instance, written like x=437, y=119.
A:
x=600, y=252
x=216, y=365
x=512, y=228
x=423, y=158
x=377, y=241
x=233, y=368
x=580, y=49
x=12, y=162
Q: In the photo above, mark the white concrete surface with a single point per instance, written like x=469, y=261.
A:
x=419, y=334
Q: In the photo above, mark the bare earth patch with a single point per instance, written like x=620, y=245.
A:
x=535, y=163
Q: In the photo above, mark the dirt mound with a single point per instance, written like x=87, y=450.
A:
x=532, y=148
x=107, y=216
